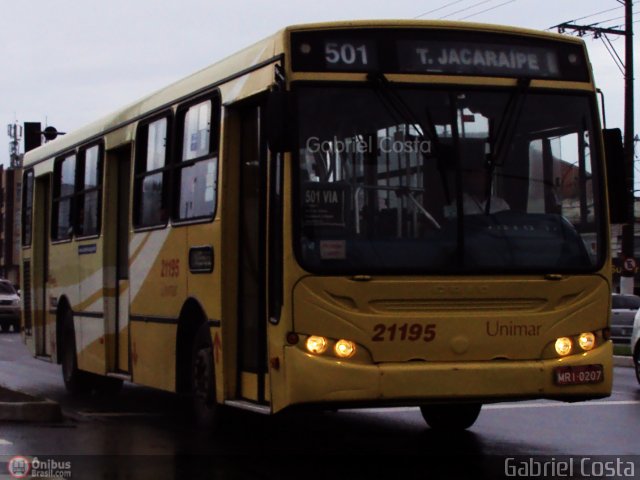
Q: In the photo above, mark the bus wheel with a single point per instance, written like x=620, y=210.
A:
x=107, y=386
x=206, y=411
x=76, y=381
x=451, y=417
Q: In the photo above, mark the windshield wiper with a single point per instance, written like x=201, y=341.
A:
x=507, y=128
x=403, y=113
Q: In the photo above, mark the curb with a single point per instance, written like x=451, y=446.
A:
x=622, y=361
x=23, y=407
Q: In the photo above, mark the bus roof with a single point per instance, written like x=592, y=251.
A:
x=264, y=51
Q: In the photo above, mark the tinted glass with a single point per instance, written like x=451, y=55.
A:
x=152, y=211
x=198, y=189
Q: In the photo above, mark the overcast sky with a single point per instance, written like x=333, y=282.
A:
x=68, y=62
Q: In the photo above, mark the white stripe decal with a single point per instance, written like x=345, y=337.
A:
x=238, y=85
x=141, y=267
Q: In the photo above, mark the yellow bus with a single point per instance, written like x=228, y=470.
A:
x=349, y=214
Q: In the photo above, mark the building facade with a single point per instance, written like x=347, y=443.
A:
x=10, y=221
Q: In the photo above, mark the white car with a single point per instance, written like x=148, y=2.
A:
x=9, y=307
x=635, y=344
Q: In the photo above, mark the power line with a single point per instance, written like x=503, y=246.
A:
x=614, y=57
x=487, y=10
x=464, y=9
x=597, y=13
x=609, y=20
x=439, y=8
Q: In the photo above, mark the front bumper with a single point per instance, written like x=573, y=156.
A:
x=313, y=379
x=11, y=315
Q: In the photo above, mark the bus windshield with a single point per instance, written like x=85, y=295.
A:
x=401, y=179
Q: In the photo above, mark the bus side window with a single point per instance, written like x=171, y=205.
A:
x=64, y=184
x=89, y=189
x=151, y=173
x=197, y=166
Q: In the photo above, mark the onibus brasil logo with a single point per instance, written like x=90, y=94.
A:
x=19, y=467
x=22, y=467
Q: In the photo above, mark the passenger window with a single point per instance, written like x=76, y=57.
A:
x=27, y=207
x=150, y=191
x=197, y=168
x=89, y=194
x=63, y=198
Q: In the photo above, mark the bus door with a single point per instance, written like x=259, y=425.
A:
x=252, y=257
x=39, y=268
x=118, y=190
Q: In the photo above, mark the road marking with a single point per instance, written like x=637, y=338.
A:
x=120, y=414
x=5, y=442
x=578, y=404
x=506, y=406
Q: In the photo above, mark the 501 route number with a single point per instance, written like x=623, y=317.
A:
x=405, y=331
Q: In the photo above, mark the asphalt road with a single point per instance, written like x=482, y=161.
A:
x=144, y=434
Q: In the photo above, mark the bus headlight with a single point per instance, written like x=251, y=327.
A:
x=563, y=346
x=317, y=345
x=587, y=341
x=345, y=348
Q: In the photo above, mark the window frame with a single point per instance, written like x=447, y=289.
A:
x=27, y=176
x=213, y=154
x=56, y=197
x=82, y=191
x=140, y=171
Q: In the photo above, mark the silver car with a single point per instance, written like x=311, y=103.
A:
x=9, y=307
x=623, y=312
x=635, y=344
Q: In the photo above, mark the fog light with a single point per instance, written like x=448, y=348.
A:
x=563, y=346
x=316, y=344
x=587, y=341
x=345, y=349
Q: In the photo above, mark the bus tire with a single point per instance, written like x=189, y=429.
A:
x=107, y=386
x=205, y=410
x=451, y=417
x=76, y=381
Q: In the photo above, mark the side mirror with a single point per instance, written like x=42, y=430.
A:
x=616, y=176
x=278, y=121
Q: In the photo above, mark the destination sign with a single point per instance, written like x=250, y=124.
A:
x=437, y=52
x=468, y=58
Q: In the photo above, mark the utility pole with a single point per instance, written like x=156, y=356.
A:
x=627, y=279
x=627, y=282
